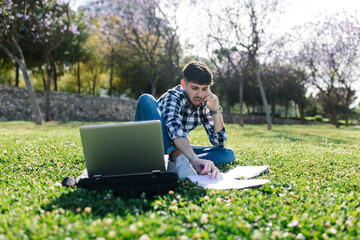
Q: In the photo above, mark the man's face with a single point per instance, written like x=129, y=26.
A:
x=195, y=93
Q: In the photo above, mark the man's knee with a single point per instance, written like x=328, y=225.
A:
x=228, y=155
x=146, y=99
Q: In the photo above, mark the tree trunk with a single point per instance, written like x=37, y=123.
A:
x=334, y=116
x=272, y=104
x=153, y=86
x=286, y=108
x=21, y=61
x=94, y=85
x=153, y=89
x=331, y=111
x=347, y=115
x=49, y=72
x=54, y=75
x=78, y=78
x=111, y=76
x=44, y=82
x=241, y=99
x=32, y=97
x=247, y=108
x=263, y=96
x=347, y=110
x=302, y=115
x=17, y=74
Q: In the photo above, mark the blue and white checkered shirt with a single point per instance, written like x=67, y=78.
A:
x=180, y=117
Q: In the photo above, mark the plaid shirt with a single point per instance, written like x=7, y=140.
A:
x=180, y=117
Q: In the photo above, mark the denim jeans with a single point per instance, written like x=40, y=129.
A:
x=147, y=109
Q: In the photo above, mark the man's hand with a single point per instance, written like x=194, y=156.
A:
x=212, y=101
x=214, y=105
x=205, y=167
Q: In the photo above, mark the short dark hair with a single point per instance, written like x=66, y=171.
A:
x=197, y=72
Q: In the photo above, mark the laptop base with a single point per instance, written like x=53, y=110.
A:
x=158, y=182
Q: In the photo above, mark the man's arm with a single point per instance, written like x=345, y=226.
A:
x=214, y=105
x=202, y=166
x=218, y=122
x=214, y=123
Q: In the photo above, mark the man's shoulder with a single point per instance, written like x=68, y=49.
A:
x=175, y=94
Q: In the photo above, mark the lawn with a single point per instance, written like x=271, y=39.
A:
x=314, y=191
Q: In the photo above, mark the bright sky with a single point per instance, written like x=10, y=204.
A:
x=295, y=12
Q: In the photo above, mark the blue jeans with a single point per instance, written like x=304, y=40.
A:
x=147, y=109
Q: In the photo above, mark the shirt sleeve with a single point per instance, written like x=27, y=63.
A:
x=216, y=139
x=172, y=118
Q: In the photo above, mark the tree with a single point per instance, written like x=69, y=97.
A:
x=7, y=66
x=240, y=26
x=230, y=65
x=345, y=97
x=331, y=56
x=273, y=82
x=138, y=33
x=72, y=50
x=13, y=15
x=53, y=23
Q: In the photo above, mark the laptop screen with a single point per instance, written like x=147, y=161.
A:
x=123, y=148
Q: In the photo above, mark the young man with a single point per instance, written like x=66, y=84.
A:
x=181, y=110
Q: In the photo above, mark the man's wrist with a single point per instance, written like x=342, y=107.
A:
x=220, y=110
x=193, y=157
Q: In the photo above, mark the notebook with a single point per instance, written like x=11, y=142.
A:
x=123, y=149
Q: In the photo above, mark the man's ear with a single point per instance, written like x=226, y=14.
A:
x=182, y=83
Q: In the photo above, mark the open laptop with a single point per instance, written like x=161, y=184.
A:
x=123, y=149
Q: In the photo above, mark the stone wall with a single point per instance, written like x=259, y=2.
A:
x=15, y=105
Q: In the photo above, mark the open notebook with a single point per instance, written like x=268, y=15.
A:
x=229, y=180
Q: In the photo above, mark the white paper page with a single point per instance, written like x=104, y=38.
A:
x=247, y=171
x=228, y=180
x=166, y=160
x=238, y=184
x=225, y=182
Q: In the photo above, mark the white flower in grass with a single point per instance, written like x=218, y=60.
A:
x=133, y=228
x=108, y=221
x=111, y=234
x=144, y=237
x=333, y=231
x=275, y=234
x=57, y=184
x=257, y=234
x=293, y=223
x=87, y=210
x=204, y=218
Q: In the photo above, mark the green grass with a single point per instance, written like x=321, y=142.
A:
x=314, y=191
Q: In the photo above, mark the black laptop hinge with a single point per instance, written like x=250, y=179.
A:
x=155, y=172
x=97, y=177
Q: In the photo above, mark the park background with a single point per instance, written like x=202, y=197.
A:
x=289, y=59
x=100, y=51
